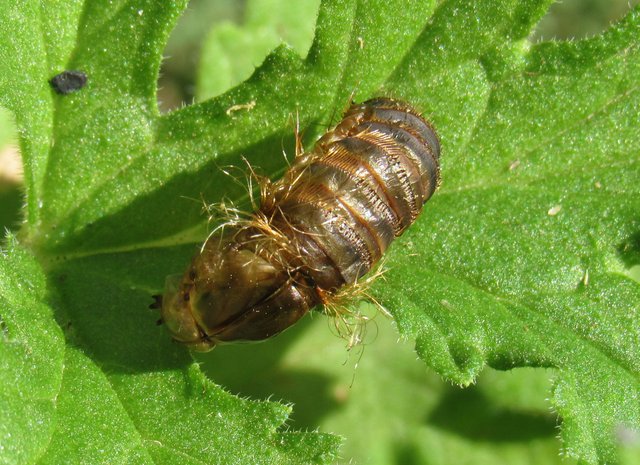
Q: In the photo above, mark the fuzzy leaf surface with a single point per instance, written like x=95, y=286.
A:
x=524, y=258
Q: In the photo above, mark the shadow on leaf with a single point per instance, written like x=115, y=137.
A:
x=102, y=303
x=629, y=250
x=178, y=204
x=247, y=370
x=468, y=413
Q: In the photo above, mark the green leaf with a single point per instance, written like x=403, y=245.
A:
x=390, y=409
x=527, y=257
x=155, y=403
x=7, y=130
x=231, y=53
x=87, y=376
x=31, y=358
x=10, y=193
x=525, y=254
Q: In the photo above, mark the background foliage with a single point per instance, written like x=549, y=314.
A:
x=487, y=277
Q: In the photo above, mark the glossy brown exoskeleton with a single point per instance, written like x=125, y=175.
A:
x=321, y=227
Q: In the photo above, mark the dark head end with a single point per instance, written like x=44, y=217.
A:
x=157, y=302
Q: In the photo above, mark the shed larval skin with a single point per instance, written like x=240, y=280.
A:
x=321, y=227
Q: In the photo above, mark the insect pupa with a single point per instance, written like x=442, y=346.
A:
x=318, y=229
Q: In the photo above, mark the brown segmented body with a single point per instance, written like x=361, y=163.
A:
x=321, y=227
